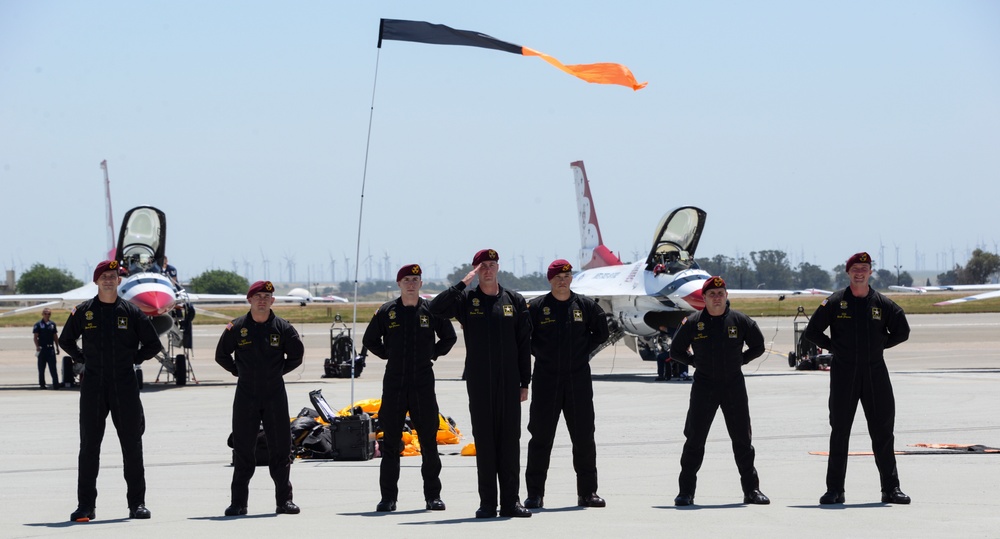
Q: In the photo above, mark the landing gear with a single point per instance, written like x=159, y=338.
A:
x=176, y=365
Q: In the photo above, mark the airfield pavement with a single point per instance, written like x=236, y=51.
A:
x=946, y=381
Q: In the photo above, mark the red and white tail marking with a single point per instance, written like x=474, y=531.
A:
x=107, y=211
x=593, y=253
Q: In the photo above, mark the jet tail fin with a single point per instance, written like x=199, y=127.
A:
x=107, y=210
x=593, y=253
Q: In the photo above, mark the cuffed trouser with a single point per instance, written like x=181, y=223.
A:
x=422, y=405
x=248, y=415
x=47, y=357
x=869, y=384
x=126, y=413
x=706, y=399
x=496, y=427
x=574, y=398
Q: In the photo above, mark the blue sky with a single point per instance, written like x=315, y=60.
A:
x=817, y=128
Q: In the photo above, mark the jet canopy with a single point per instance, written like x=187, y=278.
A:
x=675, y=240
x=142, y=239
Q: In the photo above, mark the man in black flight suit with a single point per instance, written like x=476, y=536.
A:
x=717, y=335
x=402, y=332
x=863, y=323
x=116, y=337
x=497, y=373
x=565, y=329
x=266, y=348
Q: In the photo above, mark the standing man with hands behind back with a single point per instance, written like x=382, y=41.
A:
x=863, y=323
x=566, y=328
x=266, y=348
x=717, y=335
x=402, y=332
x=117, y=336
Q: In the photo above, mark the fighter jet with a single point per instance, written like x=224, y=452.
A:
x=646, y=300
x=140, y=249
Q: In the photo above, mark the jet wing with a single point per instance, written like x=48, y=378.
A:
x=993, y=291
x=297, y=295
x=64, y=300
x=213, y=298
x=984, y=295
x=764, y=293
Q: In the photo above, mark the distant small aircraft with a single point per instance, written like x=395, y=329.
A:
x=658, y=292
x=995, y=291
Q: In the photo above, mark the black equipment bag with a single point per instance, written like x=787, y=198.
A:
x=352, y=437
x=260, y=452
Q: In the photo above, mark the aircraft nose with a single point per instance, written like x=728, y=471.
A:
x=154, y=302
x=695, y=300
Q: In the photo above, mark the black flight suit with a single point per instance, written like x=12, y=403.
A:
x=404, y=336
x=563, y=335
x=497, y=365
x=265, y=351
x=116, y=337
x=860, y=330
x=717, y=343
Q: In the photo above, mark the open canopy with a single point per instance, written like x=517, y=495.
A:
x=142, y=239
x=676, y=239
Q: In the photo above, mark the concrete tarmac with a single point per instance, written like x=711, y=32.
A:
x=946, y=381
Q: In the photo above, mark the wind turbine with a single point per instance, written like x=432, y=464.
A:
x=290, y=262
x=264, y=262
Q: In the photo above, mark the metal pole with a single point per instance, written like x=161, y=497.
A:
x=361, y=210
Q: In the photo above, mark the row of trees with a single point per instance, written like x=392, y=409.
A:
x=771, y=269
x=768, y=269
x=40, y=279
x=981, y=266
x=532, y=281
x=763, y=269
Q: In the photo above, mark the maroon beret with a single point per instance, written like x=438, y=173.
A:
x=260, y=286
x=484, y=255
x=105, y=266
x=557, y=267
x=858, y=258
x=713, y=282
x=409, y=269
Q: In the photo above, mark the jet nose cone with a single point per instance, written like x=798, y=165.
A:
x=695, y=300
x=154, y=302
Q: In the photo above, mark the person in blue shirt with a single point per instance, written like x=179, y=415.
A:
x=46, y=348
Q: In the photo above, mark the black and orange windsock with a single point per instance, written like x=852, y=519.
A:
x=439, y=34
